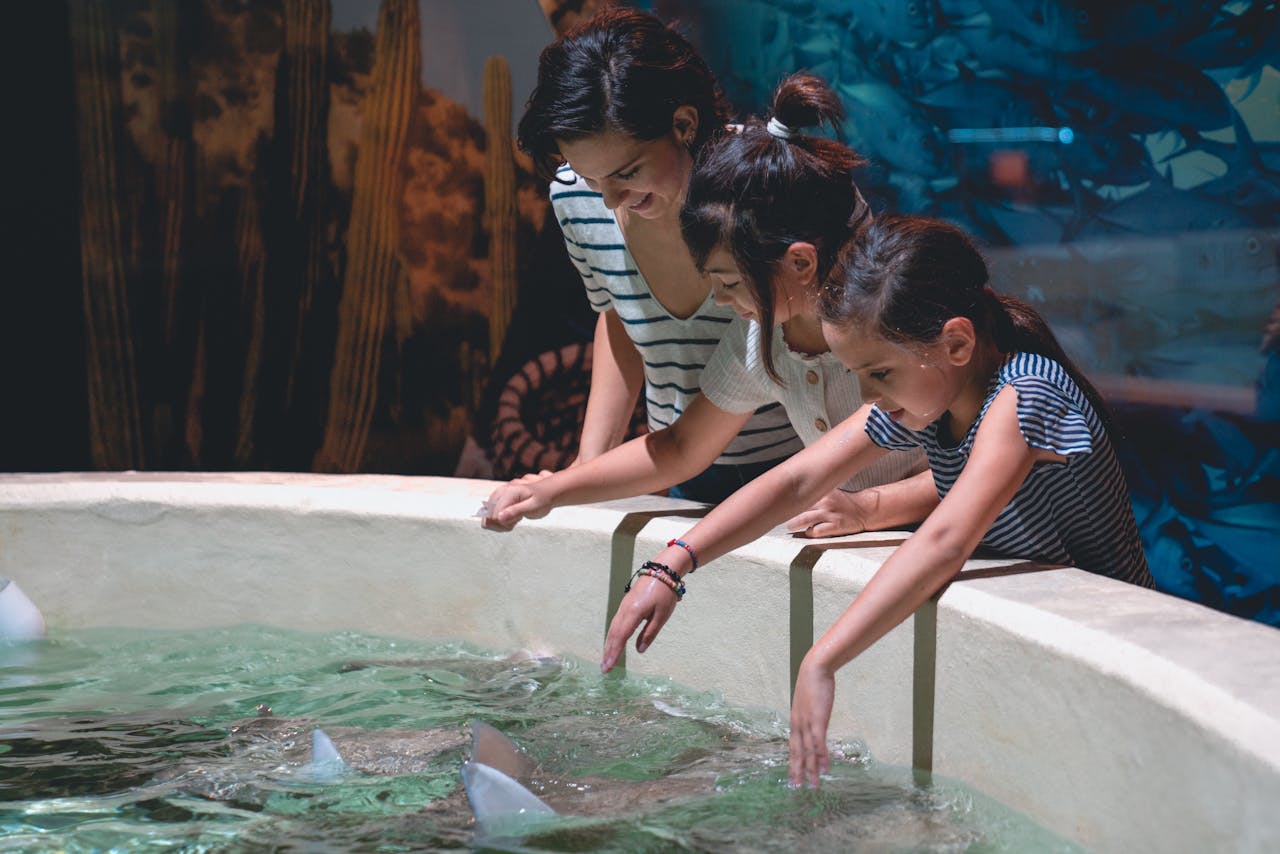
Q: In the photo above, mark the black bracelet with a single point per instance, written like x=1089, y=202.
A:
x=656, y=570
x=664, y=569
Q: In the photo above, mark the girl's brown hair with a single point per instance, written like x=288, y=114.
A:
x=906, y=276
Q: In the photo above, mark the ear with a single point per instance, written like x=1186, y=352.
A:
x=684, y=124
x=959, y=340
x=801, y=261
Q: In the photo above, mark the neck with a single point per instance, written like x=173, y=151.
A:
x=973, y=390
x=803, y=334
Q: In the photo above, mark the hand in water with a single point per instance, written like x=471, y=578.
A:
x=649, y=601
x=508, y=504
x=836, y=514
x=810, y=716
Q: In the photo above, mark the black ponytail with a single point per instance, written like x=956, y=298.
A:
x=758, y=191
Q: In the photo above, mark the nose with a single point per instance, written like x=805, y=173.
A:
x=867, y=388
x=613, y=195
x=720, y=296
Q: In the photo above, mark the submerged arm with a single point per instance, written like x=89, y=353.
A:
x=998, y=464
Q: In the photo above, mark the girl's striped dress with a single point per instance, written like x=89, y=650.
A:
x=1076, y=513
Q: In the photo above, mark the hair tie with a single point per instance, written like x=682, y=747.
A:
x=778, y=129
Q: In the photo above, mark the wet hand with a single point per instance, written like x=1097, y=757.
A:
x=810, y=716
x=507, y=505
x=650, y=602
x=836, y=514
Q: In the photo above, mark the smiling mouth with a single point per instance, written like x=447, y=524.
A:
x=643, y=203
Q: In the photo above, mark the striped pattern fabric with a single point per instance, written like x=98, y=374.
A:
x=1076, y=513
x=674, y=350
x=817, y=393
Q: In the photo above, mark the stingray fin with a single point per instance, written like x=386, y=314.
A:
x=326, y=761
x=20, y=619
x=492, y=748
x=495, y=797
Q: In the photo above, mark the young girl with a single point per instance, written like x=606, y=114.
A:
x=627, y=102
x=790, y=196
x=1016, y=440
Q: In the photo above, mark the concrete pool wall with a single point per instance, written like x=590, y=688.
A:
x=1122, y=718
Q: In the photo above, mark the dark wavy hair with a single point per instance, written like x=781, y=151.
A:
x=756, y=193
x=906, y=276
x=620, y=70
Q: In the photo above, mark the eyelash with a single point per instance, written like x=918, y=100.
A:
x=627, y=176
x=878, y=376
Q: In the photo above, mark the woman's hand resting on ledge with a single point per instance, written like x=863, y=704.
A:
x=507, y=505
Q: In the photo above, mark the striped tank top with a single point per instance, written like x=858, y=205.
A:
x=1076, y=513
x=674, y=350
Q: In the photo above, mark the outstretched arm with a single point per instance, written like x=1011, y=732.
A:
x=767, y=501
x=876, y=508
x=998, y=464
x=617, y=378
x=645, y=464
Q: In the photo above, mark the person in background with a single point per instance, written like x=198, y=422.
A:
x=1016, y=437
x=622, y=105
x=766, y=211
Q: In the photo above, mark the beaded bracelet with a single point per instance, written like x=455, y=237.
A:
x=662, y=573
x=663, y=568
x=693, y=556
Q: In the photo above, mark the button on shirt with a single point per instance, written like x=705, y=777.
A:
x=817, y=392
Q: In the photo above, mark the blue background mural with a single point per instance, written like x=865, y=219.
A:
x=1121, y=164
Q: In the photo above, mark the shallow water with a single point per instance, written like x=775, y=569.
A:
x=145, y=740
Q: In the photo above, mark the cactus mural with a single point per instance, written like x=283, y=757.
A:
x=251, y=266
x=372, y=262
x=298, y=202
x=115, y=428
x=499, y=200
x=177, y=381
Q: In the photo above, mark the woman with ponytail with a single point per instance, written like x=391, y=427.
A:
x=1016, y=440
x=766, y=211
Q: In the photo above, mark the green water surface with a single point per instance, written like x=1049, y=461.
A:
x=123, y=740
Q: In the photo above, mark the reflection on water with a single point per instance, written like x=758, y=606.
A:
x=112, y=739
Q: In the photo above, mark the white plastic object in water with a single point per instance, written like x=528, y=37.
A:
x=495, y=797
x=20, y=619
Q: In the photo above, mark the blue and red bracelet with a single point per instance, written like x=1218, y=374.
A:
x=692, y=554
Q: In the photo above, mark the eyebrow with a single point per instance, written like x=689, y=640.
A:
x=623, y=168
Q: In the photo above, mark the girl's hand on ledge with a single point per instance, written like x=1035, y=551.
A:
x=507, y=505
x=649, y=601
x=836, y=514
